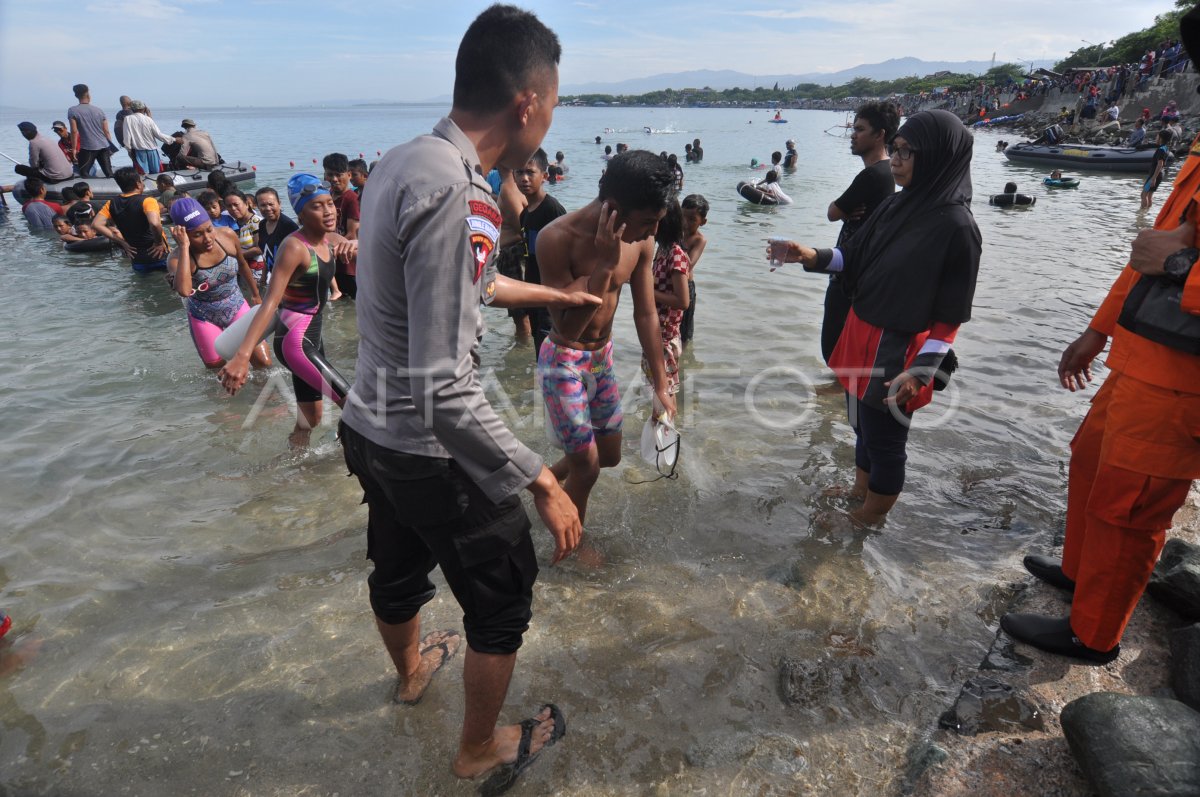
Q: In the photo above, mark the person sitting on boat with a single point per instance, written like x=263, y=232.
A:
x=64, y=141
x=46, y=160
x=791, y=157
x=770, y=187
x=171, y=151
x=198, y=150
x=1138, y=134
x=778, y=116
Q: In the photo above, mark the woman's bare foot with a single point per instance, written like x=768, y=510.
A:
x=299, y=438
x=502, y=748
x=437, y=648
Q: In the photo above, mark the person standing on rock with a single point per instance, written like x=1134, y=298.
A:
x=1135, y=455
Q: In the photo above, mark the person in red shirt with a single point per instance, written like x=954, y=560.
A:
x=337, y=174
x=38, y=212
x=1137, y=451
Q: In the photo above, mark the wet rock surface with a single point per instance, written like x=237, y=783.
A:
x=1129, y=744
x=1030, y=762
x=1185, y=665
x=1002, y=656
x=985, y=705
x=1176, y=578
x=776, y=753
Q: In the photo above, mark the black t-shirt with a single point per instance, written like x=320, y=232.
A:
x=129, y=214
x=870, y=187
x=532, y=222
x=1160, y=156
x=269, y=243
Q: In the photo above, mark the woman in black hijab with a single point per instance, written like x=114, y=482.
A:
x=911, y=273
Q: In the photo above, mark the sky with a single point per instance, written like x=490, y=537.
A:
x=200, y=53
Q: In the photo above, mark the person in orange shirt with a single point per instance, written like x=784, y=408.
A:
x=1135, y=455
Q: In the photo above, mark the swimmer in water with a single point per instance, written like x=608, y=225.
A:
x=300, y=283
x=205, y=267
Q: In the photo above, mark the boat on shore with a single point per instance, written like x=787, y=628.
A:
x=1083, y=156
x=184, y=180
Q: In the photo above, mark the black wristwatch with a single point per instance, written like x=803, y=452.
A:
x=1177, y=266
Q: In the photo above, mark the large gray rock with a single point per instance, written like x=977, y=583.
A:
x=1176, y=578
x=1185, y=665
x=1129, y=745
x=985, y=705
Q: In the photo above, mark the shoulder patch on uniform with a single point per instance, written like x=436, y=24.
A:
x=481, y=247
x=484, y=210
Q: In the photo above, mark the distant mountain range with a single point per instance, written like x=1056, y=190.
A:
x=729, y=79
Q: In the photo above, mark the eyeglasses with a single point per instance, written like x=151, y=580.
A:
x=902, y=153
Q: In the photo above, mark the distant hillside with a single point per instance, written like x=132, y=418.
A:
x=730, y=79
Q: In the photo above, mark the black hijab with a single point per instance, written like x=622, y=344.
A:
x=915, y=260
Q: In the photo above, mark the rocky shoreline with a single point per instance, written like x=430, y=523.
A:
x=1042, y=111
x=1032, y=723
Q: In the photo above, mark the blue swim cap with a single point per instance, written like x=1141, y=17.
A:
x=303, y=187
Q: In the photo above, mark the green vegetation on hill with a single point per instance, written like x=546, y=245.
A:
x=859, y=87
x=1132, y=46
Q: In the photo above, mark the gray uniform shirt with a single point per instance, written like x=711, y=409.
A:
x=199, y=144
x=47, y=158
x=424, y=267
x=90, y=121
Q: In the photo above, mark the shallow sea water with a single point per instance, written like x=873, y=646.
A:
x=189, y=597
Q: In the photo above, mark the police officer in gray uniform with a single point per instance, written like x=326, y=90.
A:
x=441, y=473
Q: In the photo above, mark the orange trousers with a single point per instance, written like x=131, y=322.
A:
x=1132, y=462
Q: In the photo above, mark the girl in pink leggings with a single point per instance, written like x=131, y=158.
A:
x=299, y=288
x=205, y=267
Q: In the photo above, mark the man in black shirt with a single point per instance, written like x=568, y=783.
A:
x=541, y=210
x=874, y=125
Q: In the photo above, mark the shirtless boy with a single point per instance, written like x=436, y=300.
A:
x=610, y=241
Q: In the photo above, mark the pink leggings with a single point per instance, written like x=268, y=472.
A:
x=303, y=353
x=204, y=335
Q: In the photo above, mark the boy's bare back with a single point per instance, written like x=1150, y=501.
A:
x=580, y=244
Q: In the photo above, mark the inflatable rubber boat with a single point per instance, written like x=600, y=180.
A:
x=106, y=187
x=1082, y=156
